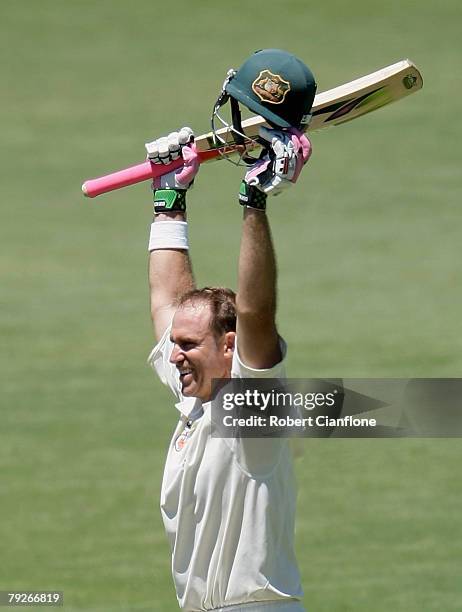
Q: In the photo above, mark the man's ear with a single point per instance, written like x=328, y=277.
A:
x=229, y=343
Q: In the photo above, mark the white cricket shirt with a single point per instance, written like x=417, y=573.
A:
x=228, y=505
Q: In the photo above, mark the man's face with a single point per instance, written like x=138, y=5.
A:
x=197, y=354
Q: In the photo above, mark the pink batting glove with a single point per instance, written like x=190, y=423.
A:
x=182, y=178
x=280, y=167
x=170, y=148
x=186, y=175
x=303, y=149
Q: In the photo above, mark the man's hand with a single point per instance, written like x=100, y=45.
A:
x=170, y=189
x=167, y=149
x=278, y=169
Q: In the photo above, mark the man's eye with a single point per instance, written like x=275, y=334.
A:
x=187, y=346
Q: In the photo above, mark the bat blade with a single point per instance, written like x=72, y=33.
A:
x=365, y=94
x=333, y=107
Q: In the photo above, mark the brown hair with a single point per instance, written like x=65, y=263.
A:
x=222, y=303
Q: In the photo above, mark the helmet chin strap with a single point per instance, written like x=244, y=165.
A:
x=237, y=120
x=238, y=132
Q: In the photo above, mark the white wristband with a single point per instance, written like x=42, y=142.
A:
x=168, y=235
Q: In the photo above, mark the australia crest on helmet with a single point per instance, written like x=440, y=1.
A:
x=270, y=87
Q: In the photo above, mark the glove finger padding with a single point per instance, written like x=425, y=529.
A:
x=173, y=146
x=185, y=135
x=167, y=149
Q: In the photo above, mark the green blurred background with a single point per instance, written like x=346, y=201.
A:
x=369, y=285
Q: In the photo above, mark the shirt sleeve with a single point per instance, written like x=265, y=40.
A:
x=240, y=370
x=258, y=457
x=159, y=360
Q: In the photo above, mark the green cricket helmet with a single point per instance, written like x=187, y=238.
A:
x=276, y=85
x=272, y=83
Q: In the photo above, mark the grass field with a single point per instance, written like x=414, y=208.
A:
x=369, y=286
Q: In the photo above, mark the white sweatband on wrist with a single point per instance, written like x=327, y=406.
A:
x=169, y=235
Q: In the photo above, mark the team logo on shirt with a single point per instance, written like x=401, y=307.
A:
x=183, y=438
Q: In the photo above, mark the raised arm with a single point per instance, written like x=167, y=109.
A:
x=170, y=270
x=257, y=336
x=170, y=276
x=256, y=295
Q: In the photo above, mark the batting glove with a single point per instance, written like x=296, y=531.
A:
x=278, y=169
x=170, y=189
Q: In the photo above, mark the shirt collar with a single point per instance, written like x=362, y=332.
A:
x=189, y=406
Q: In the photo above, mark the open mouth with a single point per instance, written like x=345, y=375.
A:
x=186, y=376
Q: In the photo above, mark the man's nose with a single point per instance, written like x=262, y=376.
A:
x=176, y=356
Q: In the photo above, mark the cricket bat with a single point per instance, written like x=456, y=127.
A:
x=332, y=107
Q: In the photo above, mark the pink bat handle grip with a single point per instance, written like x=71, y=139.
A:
x=129, y=176
x=135, y=174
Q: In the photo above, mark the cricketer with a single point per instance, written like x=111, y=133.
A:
x=228, y=505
